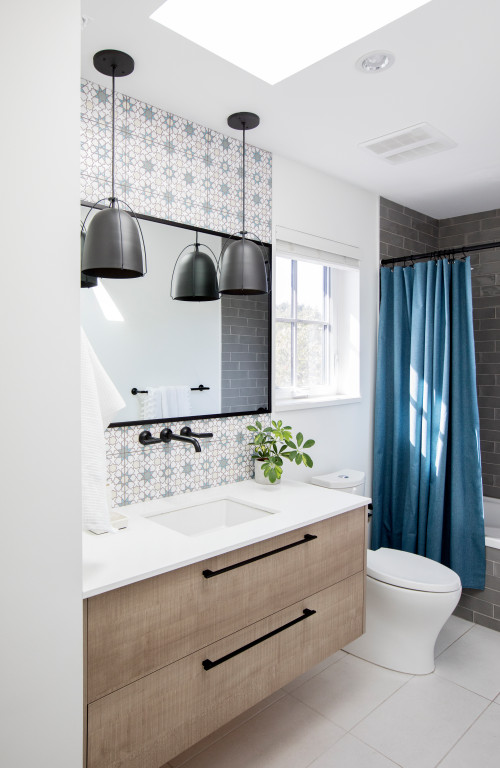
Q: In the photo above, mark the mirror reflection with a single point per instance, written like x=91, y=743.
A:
x=165, y=350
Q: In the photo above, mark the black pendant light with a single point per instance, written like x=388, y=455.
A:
x=114, y=244
x=194, y=277
x=242, y=261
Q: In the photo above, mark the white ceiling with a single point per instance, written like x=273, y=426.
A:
x=446, y=74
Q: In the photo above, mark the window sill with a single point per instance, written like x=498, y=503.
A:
x=301, y=404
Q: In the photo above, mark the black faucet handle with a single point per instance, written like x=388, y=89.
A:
x=146, y=438
x=166, y=435
x=187, y=432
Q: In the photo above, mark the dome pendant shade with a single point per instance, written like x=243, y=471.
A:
x=195, y=277
x=243, y=269
x=242, y=261
x=114, y=243
x=113, y=246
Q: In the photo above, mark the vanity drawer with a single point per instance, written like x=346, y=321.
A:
x=137, y=629
x=151, y=720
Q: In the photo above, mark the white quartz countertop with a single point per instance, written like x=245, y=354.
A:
x=146, y=549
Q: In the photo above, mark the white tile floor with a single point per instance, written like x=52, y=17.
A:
x=348, y=713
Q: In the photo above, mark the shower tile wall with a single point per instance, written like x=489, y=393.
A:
x=245, y=353
x=403, y=232
x=468, y=230
x=482, y=606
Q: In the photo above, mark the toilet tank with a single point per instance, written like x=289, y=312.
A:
x=347, y=480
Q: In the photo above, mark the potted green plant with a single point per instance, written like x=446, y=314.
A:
x=272, y=445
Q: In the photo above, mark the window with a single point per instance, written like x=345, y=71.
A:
x=317, y=326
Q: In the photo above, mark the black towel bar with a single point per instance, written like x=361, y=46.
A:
x=199, y=388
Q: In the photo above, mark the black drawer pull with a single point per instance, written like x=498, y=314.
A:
x=207, y=664
x=307, y=537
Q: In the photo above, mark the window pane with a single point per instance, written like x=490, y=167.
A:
x=310, y=292
x=309, y=355
x=283, y=355
x=283, y=287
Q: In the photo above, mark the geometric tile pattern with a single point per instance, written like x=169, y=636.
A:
x=170, y=167
x=138, y=473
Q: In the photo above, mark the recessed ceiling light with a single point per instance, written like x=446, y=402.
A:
x=376, y=61
x=273, y=39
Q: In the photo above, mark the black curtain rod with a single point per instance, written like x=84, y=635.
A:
x=439, y=254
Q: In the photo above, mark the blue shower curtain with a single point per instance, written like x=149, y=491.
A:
x=427, y=489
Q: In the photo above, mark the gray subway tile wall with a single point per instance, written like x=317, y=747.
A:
x=245, y=353
x=404, y=232
x=470, y=230
x=413, y=229
x=483, y=606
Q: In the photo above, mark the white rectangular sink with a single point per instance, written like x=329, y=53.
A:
x=206, y=518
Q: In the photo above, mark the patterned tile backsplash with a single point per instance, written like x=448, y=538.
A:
x=138, y=473
x=170, y=167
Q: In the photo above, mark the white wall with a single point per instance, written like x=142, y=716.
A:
x=40, y=538
x=317, y=204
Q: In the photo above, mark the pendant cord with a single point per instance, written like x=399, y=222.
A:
x=244, y=153
x=113, y=141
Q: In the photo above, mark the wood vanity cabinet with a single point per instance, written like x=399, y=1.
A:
x=172, y=658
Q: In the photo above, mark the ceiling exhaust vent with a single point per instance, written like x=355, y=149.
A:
x=409, y=144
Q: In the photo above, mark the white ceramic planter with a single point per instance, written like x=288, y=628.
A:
x=260, y=476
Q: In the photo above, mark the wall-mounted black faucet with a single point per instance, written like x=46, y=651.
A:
x=166, y=435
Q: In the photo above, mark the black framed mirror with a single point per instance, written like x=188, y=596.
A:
x=177, y=360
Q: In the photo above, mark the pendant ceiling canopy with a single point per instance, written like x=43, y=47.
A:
x=114, y=244
x=243, y=269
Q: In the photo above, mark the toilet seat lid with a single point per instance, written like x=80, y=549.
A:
x=409, y=571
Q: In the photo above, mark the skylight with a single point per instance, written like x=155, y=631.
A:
x=273, y=39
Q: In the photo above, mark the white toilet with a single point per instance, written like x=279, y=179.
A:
x=408, y=599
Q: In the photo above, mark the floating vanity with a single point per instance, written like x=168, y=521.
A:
x=208, y=603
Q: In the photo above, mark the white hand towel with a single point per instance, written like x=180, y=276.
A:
x=150, y=404
x=100, y=401
x=176, y=401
